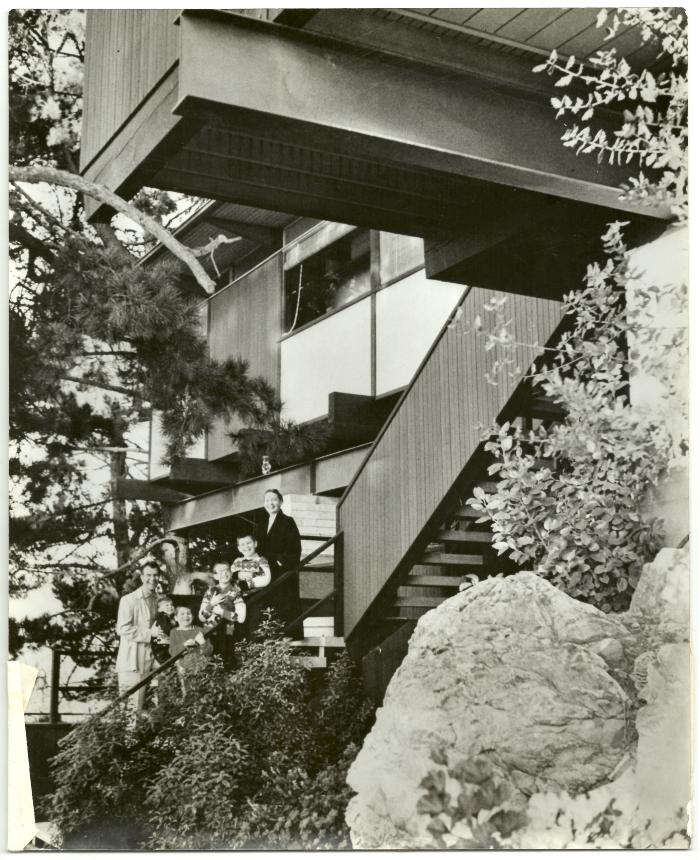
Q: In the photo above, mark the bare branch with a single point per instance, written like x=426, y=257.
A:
x=54, y=176
x=211, y=246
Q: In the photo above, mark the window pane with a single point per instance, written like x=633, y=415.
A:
x=327, y=280
x=398, y=254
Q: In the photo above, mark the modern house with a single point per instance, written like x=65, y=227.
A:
x=387, y=173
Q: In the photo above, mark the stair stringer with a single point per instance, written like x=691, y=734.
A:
x=412, y=477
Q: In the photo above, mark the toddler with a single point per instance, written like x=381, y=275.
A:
x=186, y=635
x=160, y=632
x=252, y=569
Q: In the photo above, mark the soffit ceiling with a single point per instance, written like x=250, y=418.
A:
x=527, y=31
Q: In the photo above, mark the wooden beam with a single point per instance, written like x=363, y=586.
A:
x=455, y=124
x=145, y=490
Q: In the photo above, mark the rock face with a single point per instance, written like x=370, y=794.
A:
x=651, y=791
x=515, y=667
x=512, y=665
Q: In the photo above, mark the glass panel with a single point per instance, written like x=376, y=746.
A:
x=410, y=314
x=397, y=255
x=327, y=280
x=333, y=355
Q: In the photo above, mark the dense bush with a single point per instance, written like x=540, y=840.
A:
x=570, y=498
x=253, y=758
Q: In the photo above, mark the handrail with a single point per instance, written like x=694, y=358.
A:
x=257, y=596
x=305, y=614
x=407, y=390
x=254, y=598
x=208, y=633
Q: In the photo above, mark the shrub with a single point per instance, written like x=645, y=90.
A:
x=569, y=500
x=256, y=757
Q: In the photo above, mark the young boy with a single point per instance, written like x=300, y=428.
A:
x=160, y=636
x=252, y=569
x=185, y=635
x=223, y=600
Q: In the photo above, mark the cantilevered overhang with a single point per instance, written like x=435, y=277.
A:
x=326, y=475
x=307, y=123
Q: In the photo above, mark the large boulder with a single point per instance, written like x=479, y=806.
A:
x=511, y=665
x=646, y=804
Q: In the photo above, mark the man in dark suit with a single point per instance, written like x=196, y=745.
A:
x=279, y=542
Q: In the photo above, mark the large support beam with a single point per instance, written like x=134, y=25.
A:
x=309, y=89
x=325, y=475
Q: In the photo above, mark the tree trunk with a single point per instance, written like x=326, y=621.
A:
x=120, y=523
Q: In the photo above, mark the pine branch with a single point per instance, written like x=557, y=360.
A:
x=19, y=233
x=104, y=385
x=45, y=212
x=54, y=176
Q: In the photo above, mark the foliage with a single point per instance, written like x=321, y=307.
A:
x=96, y=342
x=46, y=52
x=654, y=134
x=599, y=820
x=283, y=442
x=252, y=758
x=472, y=805
x=570, y=496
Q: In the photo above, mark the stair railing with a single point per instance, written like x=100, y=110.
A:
x=261, y=598
x=207, y=633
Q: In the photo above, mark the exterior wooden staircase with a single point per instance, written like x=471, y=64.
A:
x=460, y=553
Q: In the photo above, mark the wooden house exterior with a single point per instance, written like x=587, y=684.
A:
x=415, y=152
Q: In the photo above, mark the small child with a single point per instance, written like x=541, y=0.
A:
x=223, y=600
x=252, y=569
x=164, y=623
x=185, y=635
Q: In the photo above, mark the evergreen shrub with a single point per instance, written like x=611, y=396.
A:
x=252, y=758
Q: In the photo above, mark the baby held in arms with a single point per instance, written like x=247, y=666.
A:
x=251, y=569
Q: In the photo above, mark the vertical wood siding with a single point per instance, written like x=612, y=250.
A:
x=244, y=320
x=427, y=444
x=127, y=52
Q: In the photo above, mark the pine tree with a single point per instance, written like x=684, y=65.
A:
x=97, y=341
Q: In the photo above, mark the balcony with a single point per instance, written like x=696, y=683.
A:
x=222, y=105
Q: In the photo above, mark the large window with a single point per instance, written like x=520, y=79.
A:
x=329, y=279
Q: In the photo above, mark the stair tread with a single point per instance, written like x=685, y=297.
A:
x=467, y=512
x=451, y=558
x=419, y=601
x=317, y=641
x=487, y=485
x=541, y=406
x=311, y=662
x=319, y=568
x=471, y=536
x=428, y=579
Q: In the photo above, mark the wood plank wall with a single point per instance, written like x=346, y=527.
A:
x=427, y=444
x=244, y=320
x=127, y=52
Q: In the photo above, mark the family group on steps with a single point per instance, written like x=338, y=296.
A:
x=152, y=628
